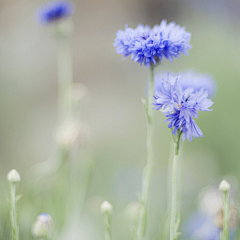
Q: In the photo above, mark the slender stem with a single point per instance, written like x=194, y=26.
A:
x=107, y=225
x=13, y=212
x=225, y=199
x=174, y=184
x=65, y=78
x=141, y=228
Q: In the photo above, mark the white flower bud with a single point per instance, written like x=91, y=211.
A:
x=106, y=207
x=13, y=176
x=43, y=226
x=224, y=186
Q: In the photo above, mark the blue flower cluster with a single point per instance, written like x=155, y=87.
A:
x=180, y=105
x=54, y=11
x=148, y=46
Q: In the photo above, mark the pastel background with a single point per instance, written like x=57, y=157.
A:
x=112, y=108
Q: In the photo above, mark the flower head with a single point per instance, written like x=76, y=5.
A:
x=43, y=225
x=181, y=105
x=13, y=176
x=106, y=207
x=224, y=186
x=149, y=45
x=54, y=11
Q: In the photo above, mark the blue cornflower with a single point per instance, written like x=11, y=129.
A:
x=181, y=105
x=54, y=11
x=149, y=45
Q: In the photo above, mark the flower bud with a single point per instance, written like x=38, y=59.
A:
x=13, y=176
x=224, y=186
x=43, y=226
x=106, y=207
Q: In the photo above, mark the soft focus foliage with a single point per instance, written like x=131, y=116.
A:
x=113, y=111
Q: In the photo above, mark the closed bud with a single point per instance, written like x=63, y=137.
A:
x=224, y=186
x=106, y=207
x=13, y=176
x=43, y=226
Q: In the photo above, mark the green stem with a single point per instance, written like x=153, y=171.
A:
x=13, y=212
x=226, y=203
x=65, y=78
x=174, y=184
x=107, y=225
x=141, y=228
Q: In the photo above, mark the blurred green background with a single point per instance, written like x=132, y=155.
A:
x=112, y=108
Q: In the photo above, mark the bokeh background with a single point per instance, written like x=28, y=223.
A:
x=112, y=108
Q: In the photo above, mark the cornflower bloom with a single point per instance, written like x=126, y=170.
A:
x=148, y=45
x=180, y=104
x=54, y=11
x=56, y=15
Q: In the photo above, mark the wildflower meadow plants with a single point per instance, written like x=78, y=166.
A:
x=63, y=167
x=179, y=97
x=71, y=134
x=180, y=106
x=148, y=46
